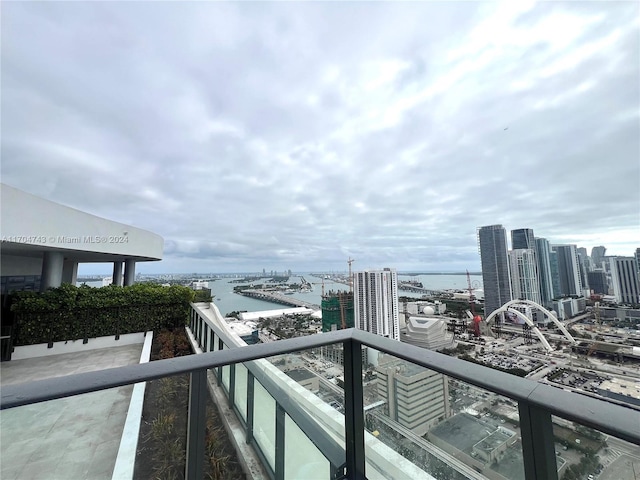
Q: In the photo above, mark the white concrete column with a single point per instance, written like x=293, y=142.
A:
x=51, y=270
x=117, y=273
x=69, y=271
x=129, y=272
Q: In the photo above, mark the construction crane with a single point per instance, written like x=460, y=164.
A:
x=475, y=318
x=350, y=261
x=319, y=283
x=471, y=297
x=342, y=300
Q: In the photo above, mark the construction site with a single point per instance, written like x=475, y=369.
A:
x=337, y=311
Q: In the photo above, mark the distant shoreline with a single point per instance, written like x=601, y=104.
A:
x=98, y=277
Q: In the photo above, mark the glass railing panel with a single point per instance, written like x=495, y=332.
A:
x=240, y=393
x=319, y=371
x=226, y=373
x=308, y=385
x=302, y=459
x=212, y=345
x=430, y=423
x=216, y=343
x=264, y=423
x=212, y=340
x=583, y=452
x=204, y=340
x=221, y=459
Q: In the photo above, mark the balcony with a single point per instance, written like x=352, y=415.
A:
x=347, y=432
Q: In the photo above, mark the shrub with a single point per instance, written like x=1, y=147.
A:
x=72, y=313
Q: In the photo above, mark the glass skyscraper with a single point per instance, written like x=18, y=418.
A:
x=492, y=240
x=522, y=238
x=568, y=270
x=543, y=251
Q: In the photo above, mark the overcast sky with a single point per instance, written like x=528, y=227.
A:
x=291, y=135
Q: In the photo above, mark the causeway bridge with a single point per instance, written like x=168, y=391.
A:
x=277, y=297
x=408, y=287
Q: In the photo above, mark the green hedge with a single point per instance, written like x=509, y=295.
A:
x=71, y=313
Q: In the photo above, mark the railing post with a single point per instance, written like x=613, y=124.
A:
x=219, y=369
x=279, y=463
x=354, y=410
x=250, y=403
x=538, y=447
x=232, y=385
x=196, y=425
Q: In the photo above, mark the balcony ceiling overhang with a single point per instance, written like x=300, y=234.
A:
x=80, y=256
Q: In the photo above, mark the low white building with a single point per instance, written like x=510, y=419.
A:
x=415, y=397
x=426, y=332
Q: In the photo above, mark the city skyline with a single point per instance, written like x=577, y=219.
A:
x=294, y=136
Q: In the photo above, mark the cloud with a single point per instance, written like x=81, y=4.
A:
x=266, y=135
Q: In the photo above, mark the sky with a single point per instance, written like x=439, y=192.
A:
x=296, y=135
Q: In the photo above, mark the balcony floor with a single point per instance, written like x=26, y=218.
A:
x=76, y=437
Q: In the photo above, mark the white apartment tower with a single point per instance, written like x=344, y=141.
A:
x=524, y=278
x=624, y=279
x=376, y=302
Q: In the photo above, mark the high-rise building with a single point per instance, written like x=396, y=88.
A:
x=598, y=282
x=555, y=274
x=543, y=251
x=568, y=270
x=492, y=240
x=624, y=279
x=597, y=256
x=522, y=238
x=337, y=311
x=583, y=266
x=415, y=397
x=524, y=280
x=376, y=302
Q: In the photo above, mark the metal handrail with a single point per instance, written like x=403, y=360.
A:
x=599, y=414
x=536, y=402
x=17, y=395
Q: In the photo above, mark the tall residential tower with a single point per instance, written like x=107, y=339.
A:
x=568, y=270
x=494, y=258
x=522, y=238
x=624, y=279
x=376, y=302
x=543, y=251
x=524, y=279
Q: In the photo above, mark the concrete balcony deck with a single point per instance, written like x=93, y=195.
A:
x=69, y=438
